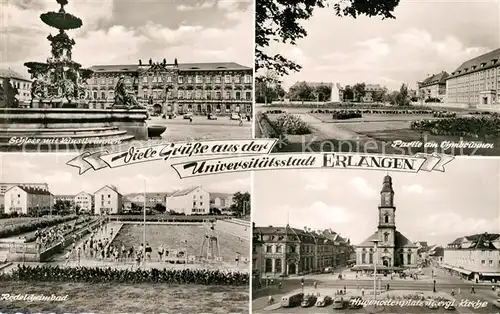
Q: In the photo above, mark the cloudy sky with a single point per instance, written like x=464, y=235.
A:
x=124, y=31
x=435, y=207
x=63, y=179
x=426, y=37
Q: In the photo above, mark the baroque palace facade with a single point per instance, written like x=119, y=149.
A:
x=290, y=251
x=198, y=88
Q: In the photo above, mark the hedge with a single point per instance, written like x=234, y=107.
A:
x=112, y=275
x=463, y=126
x=344, y=115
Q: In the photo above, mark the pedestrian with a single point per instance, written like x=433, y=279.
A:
x=315, y=285
x=160, y=252
x=362, y=292
x=280, y=285
x=68, y=257
x=302, y=283
x=241, y=120
x=190, y=119
x=345, y=290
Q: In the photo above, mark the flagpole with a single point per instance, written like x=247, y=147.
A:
x=144, y=230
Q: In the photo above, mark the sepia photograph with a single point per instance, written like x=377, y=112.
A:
x=77, y=74
x=393, y=77
x=127, y=240
x=373, y=242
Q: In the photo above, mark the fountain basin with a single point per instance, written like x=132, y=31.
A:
x=155, y=131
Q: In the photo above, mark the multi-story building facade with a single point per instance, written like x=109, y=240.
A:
x=387, y=248
x=476, y=81
x=290, y=251
x=221, y=201
x=27, y=200
x=150, y=200
x=192, y=201
x=474, y=257
x=370, y=90
x=64, y=198
x=433, y=87
x=85, y=202
x=4, y=186
x=199, y=88
x=107, y=200
x=256, y=258
x=22, y=84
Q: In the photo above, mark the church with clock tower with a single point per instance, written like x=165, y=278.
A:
x=387, y=247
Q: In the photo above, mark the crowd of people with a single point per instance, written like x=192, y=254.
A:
x=45, y=238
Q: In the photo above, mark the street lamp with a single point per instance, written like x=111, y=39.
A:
x=375, y=242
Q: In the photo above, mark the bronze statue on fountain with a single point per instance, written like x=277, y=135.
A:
x=124, y=99
x=59, y=81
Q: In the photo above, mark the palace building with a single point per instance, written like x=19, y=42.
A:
x=220, y=88
x=476, y=81
x=388, y=248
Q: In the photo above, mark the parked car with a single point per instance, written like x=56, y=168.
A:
x=338, y=303
x=235, y=116
x=292, y=299
x=355, y=305
x=188, y=115
x=323, y=300
x=309, y=300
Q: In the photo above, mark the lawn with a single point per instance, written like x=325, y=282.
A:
x=128, y=298
x=174, y=237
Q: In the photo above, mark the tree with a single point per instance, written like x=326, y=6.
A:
x=62, y=207
x=241, y=204
x=301, y=91
x=348, y=93
x=359, y=91
x=323, y=92
x=380, y=95
x=268, y=88
x=403, y=98
x=160, y=208
x=279, y=21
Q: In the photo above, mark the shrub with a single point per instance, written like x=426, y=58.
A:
x=105, y=275
x=290, y=124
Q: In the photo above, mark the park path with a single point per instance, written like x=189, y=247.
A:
x=331, y=130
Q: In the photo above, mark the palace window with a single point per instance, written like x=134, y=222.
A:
x=103, y=95
x=237, y=95
x=269, y=249
x=227, y=79
x=248, y=96
x=278, y=249
x=207, y=94
x=180, y=94
x=227, y=95
x=217, y=79
x=95, y=95
x=237, y=79
x=169, y=79
x=217, y=95
x=207, y=79
x=190, y=79
x=198, y=94
x=199, y=79
x=188, y=94
x=144, y=79
x=248, y=79
x=228, y=107
x=180, y=80
x=110, y=80
x=95, y=81
x=110, y=95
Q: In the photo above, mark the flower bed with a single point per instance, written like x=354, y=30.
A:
x=276, y=111
x=266, y=125
x=346, y=114
x=105, y=275
x=463, y=126
x=381, y=111
x=444, y=114
x=32, y=226
x=290, y=124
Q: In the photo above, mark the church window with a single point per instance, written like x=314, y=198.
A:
x=363, y=258
x=371, y=258
x=386, y=218
x=386, y=237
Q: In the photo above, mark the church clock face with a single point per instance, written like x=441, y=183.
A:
x=387, y=199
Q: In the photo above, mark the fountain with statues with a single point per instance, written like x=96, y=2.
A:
x=58, y=108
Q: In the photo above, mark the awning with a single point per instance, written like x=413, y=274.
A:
x=491, y=274
x=460, y=270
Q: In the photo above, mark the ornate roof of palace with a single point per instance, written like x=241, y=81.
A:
x=400, y=242
x=482, y=62
x=439, y=78
x=9, y=73
x=481, y=241
x=207, y=66
x=31, y=190
x=318, y=237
